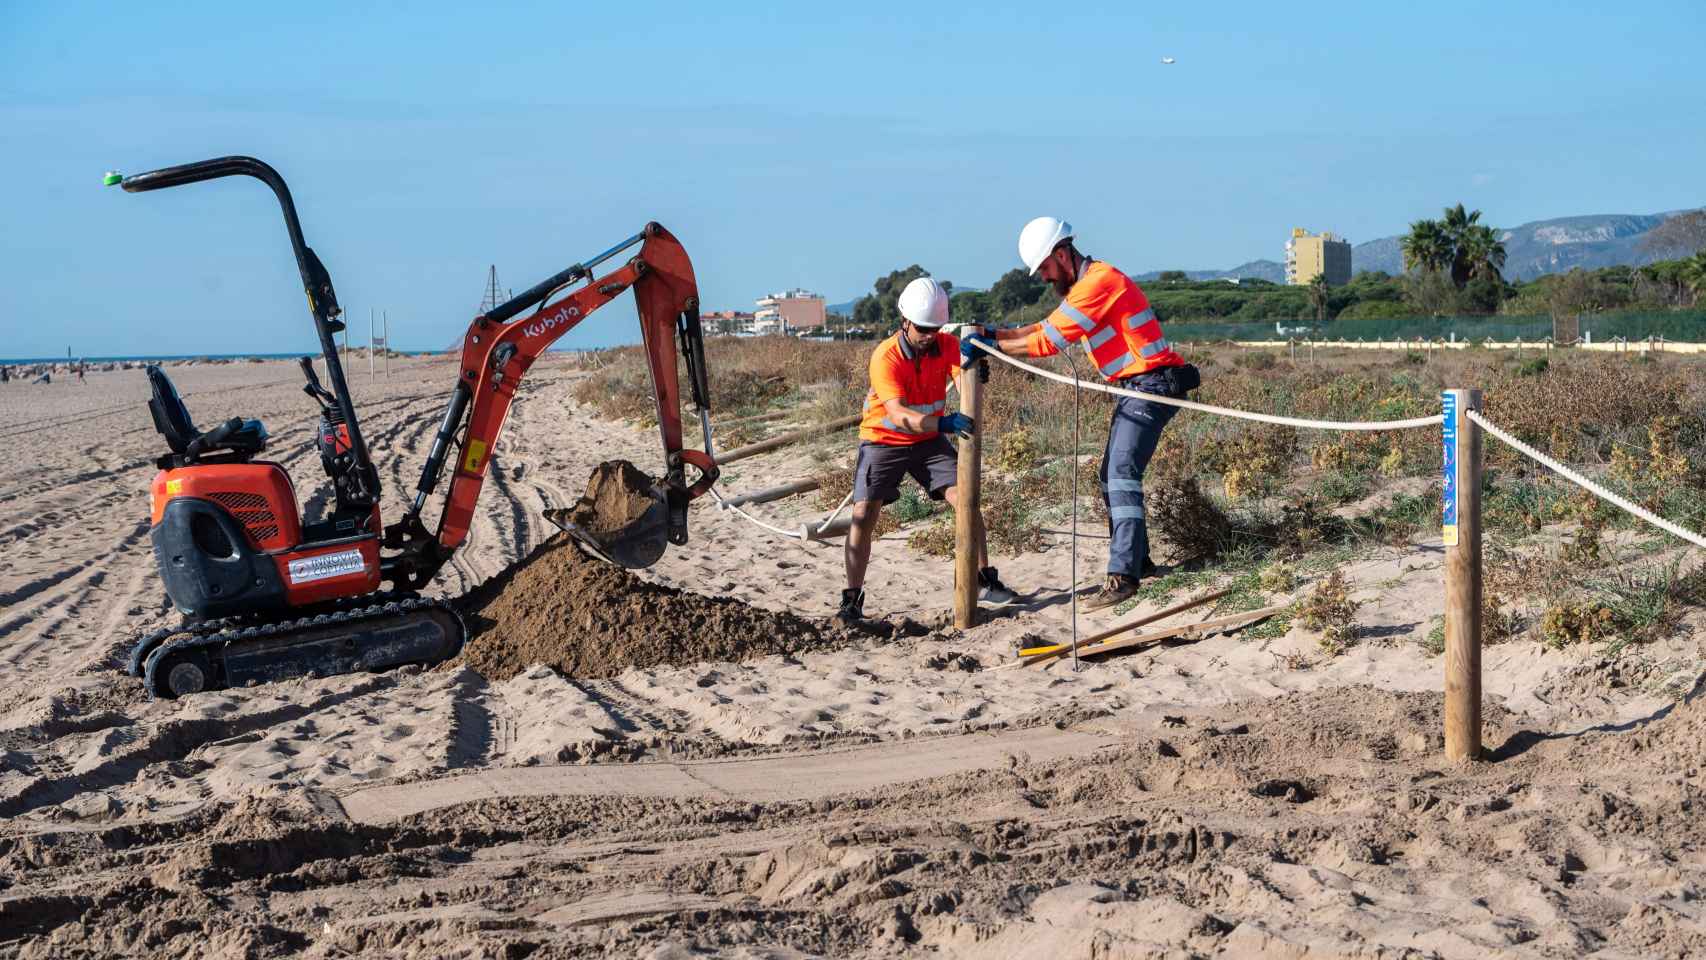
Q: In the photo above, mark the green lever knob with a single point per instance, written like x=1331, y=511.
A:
x=112, y=177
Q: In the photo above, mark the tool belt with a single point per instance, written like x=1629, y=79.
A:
x=1166, y=381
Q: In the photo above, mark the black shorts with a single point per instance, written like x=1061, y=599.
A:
x=880, y=467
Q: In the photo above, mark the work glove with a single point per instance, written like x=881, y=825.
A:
x=970, y=354
x=956, y=423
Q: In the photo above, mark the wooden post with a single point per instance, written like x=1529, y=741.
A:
x=783, y=439
x=970, y=498
x=768, y=494
x=1462, y=496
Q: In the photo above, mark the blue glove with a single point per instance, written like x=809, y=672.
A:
x=970, y=354
x=956, y=423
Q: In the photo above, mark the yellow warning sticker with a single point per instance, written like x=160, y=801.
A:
x=173, y=486
x=476, y=453
x=1451, y=534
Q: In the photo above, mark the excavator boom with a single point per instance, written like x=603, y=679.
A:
x=497, y=351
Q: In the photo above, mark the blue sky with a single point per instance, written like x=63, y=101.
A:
x=786, y=146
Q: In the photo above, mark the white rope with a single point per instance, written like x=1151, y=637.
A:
x=1587, y=484
x=836, y=512
x=1412, y=423
x=726, y=505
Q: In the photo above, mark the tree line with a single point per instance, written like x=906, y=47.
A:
x=1453, y=267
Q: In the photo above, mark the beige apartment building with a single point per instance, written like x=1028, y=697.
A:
x=790, y=311
x=1308, y=254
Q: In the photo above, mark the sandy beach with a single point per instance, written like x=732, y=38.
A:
x=847, y=794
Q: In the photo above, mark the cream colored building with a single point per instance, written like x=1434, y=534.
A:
x=790, y=311
x=1308, y=254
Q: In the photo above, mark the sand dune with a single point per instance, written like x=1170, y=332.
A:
x=1244, y=797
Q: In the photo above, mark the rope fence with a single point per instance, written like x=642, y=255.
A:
x=1461, y=422
x=1632, y=508
x=1410, y=424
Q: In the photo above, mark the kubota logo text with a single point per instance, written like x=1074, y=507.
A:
x=551, y=323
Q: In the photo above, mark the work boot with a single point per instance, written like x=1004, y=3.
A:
x=1117, y=589
x=852, y=606
x=991, y=590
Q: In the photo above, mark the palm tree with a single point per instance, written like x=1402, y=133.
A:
x=1693, y=273
x=1481, y=252
x=1318, y=291
x=1426, y=247
x=1457, y=226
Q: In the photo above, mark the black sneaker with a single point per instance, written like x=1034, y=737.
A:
x=991, y=590
x=852, y=606
x=1117, y=589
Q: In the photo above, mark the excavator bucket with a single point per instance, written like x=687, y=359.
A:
x=621, y=518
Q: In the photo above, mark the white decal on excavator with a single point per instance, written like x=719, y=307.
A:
x=551, y=323
x=310, y=569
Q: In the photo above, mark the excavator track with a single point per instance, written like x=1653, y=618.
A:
x=381, y=633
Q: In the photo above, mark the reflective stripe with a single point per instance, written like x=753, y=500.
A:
x=1073, y=314
x=937, y=407
x=1054, y=335
x=1102, y=336
x=1117, y=364
x=1151, y=349
x=1139, y=319
x=1126, y=513
x=1135, y=486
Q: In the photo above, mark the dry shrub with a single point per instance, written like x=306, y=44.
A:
x=1016, y=452
x=1010, y=517
x=1187, y=519
x=832, y=486
x=934, y=539
x=1252, y=460
x=1278, y=577
x=1497, y=624
x=1330, y=610
x=1566, y=623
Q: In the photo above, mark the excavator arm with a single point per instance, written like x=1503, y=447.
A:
x=497, y=351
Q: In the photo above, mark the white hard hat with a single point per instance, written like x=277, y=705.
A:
x=1039, y=238
x=925, y=303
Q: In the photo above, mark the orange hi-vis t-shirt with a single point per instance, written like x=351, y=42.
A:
x=919, y=380
x=1108, y=311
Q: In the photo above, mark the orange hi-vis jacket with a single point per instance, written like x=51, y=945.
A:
x=1109, y=312
x=917, y=379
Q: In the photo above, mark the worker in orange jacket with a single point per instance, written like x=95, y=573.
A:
x=905, y=417
x=1108, y=312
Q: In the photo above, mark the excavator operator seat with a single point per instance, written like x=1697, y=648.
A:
x=237, y=438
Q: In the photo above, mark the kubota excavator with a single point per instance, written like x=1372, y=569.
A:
x=267, y=596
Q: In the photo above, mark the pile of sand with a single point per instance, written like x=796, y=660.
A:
x=587, y=618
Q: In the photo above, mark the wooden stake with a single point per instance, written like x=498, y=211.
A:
x=836, y=528
x=970, y=499
x=1462, y=576
x=784, y=439
x=778, y=492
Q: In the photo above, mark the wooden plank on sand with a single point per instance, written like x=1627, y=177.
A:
x=1190, y=631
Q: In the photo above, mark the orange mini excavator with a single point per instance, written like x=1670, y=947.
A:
x=267, y=595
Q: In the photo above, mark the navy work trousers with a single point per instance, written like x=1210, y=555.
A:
x=1132, y=435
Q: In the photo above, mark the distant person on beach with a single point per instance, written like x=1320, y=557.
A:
x=902, y=435
x=80, y=371
x=5, y=375
x=46, y=377
x=1110, y=313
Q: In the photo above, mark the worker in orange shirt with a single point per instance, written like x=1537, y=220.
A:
x=905, y=417
x=1109, y=313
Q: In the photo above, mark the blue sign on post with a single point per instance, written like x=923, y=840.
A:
x=1448, y=491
